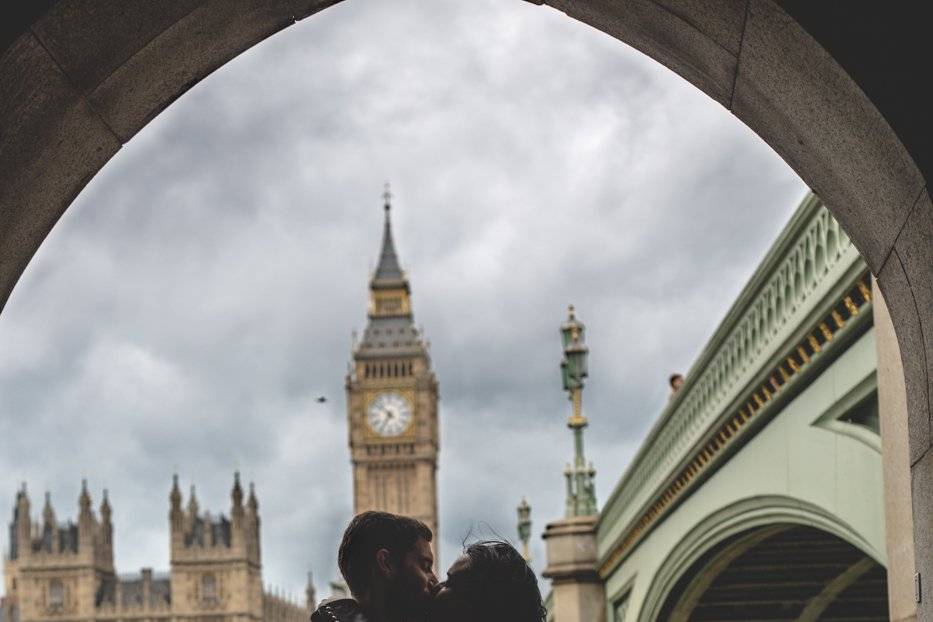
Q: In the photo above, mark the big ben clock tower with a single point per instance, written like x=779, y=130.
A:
x=392, y=401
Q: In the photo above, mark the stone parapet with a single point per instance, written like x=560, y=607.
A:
x=578, y=593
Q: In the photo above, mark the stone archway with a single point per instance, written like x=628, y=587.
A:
x=79, y=79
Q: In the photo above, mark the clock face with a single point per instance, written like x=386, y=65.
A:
x=389, y=414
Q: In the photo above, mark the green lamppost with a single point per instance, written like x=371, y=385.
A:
x=524, y=527
x=581, y=490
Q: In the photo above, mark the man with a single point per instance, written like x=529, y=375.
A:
x=387, y=563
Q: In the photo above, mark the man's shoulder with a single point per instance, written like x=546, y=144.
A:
x=339, y=610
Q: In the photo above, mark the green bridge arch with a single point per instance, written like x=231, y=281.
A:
x=754, y=515
x=773, y=435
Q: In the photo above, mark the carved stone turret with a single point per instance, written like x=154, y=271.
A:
x=57, y=569
x=216, y=563
x=105, y=545
x=176, y=516
x=236, y=497
x=64, y=571
x=21, y=527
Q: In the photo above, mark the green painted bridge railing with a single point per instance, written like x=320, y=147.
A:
x=810, y=266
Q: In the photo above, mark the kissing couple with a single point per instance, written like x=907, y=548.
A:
x=387, y=563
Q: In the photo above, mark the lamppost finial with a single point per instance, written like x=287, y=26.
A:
x=581, y=491
x=524, y=527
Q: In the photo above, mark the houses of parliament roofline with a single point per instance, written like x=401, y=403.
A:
x=64, y=572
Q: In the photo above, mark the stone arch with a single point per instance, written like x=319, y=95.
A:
x=81, y=79
x=764, y=514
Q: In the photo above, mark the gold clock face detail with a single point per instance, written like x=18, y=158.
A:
x=389, y=414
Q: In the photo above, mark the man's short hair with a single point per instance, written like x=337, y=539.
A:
x=367, y=533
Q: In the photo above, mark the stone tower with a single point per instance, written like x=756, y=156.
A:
x=216, y=569
x=56, y=570
x=63, y=572
x=392, y=400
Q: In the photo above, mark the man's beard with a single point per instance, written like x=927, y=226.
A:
x=406, y=602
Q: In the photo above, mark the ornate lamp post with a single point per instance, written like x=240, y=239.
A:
x=524, y=527
x=581, y=490
x=572, y=561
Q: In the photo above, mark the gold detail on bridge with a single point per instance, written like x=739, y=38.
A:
x=784, y=375
x=803, y=353
x=732, y=426
x=814, y=344
x=837, y=318
x=865, y=291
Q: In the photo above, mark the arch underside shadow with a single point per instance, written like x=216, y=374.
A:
x=716, y=541
x=780, y=572
x=84, y=77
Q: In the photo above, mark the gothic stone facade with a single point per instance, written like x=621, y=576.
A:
x=392, y=401
x=64, y=572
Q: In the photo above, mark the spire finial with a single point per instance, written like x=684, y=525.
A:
x=388, y=268
x=85, y=499
x=387, y=196
x=48, y=514
x=252, y=503
x=237, y=492
x=193, y=503
x=105, y=508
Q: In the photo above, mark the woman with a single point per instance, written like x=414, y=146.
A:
x=490, y=582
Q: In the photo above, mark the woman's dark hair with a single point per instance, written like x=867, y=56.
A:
x=367, y=533
x=499, y=585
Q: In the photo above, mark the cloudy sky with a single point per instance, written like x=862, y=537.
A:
x=202, y=290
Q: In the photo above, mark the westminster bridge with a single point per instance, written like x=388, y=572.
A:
x=758, y=494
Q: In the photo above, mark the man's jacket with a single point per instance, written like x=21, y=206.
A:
x=339, y=610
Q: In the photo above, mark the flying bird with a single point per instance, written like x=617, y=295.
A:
x=321, y=399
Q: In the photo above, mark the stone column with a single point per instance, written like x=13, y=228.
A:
x=579, y=593
x=898, y=513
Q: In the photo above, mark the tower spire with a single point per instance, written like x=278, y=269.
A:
x=105, y=509
x=48, y=514
x=193, y=504
x=174, y=496
x=388, y=269
x=85, y=499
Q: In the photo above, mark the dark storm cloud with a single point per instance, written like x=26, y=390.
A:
x=202, y=290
